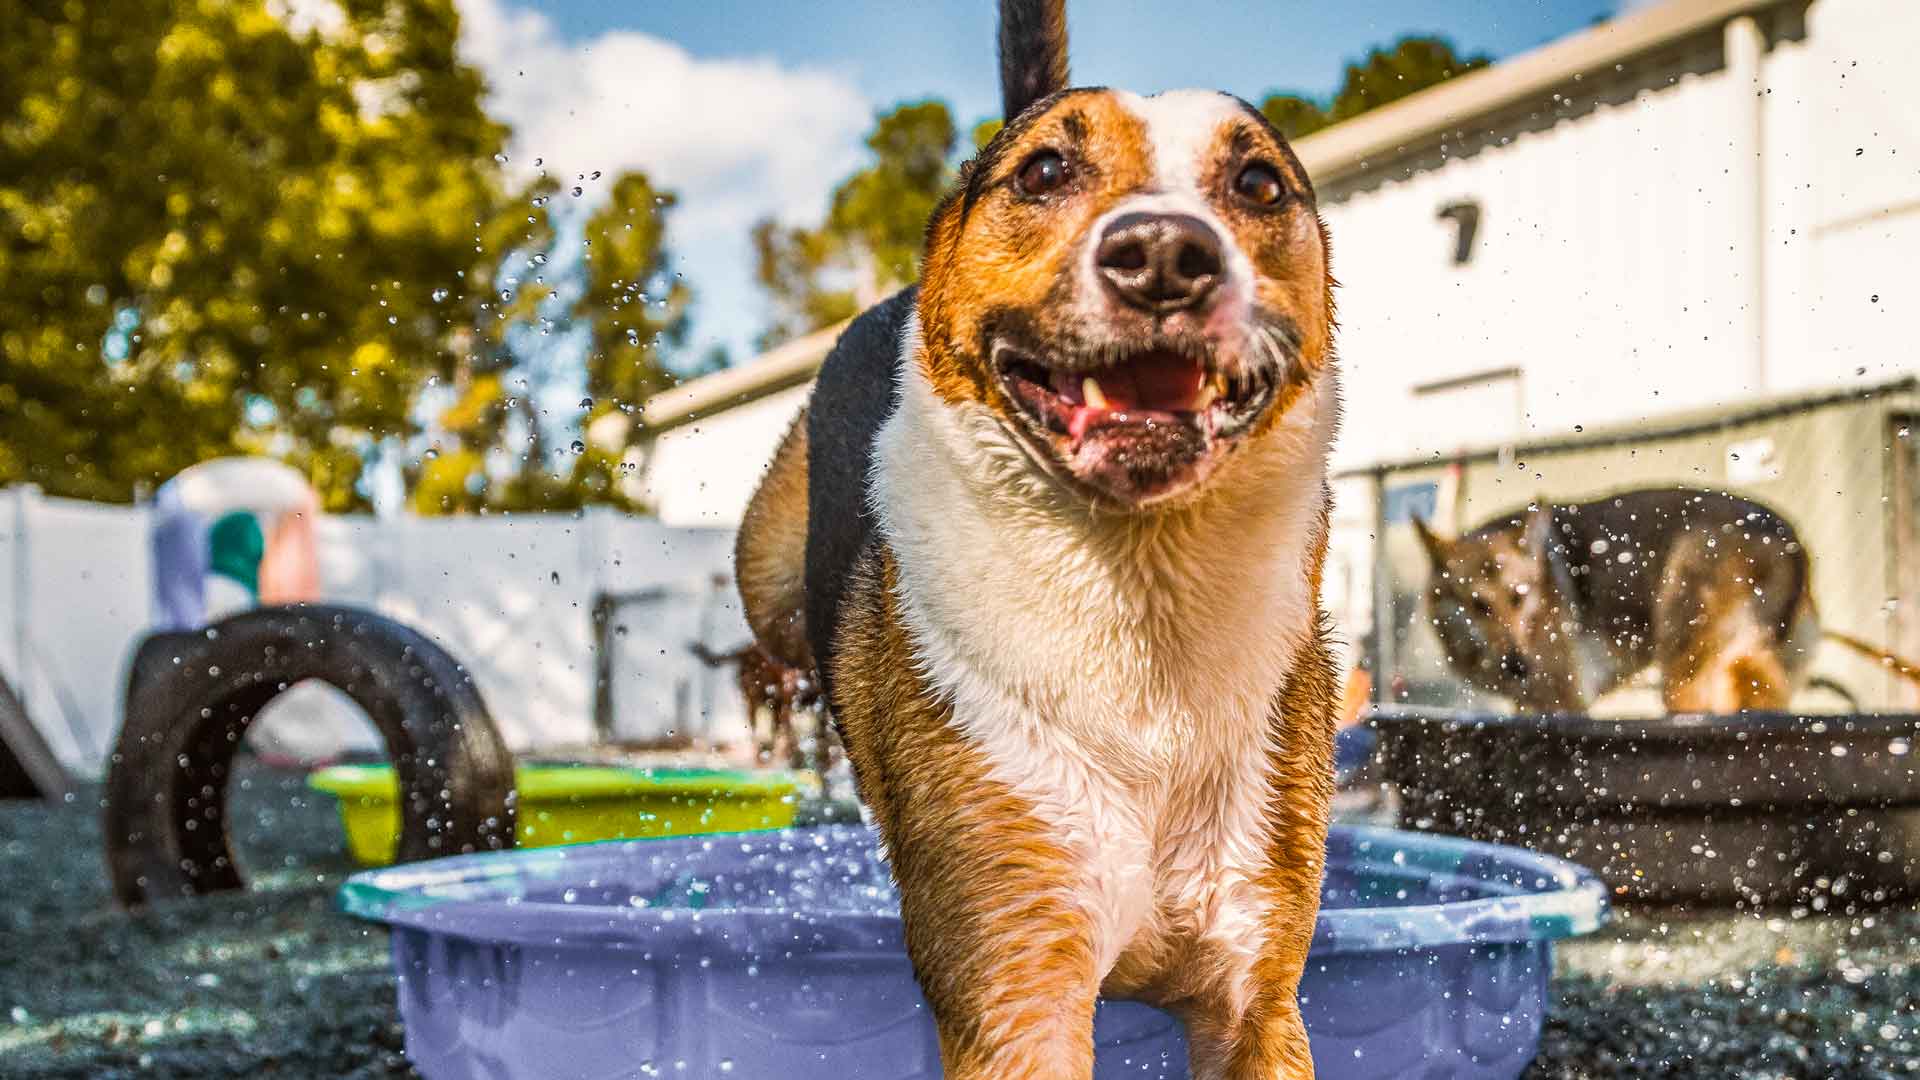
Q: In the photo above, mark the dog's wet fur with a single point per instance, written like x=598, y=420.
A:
x=1053, y=523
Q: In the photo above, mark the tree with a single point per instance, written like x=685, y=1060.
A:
x=631, y=307
x=1295, y=116
x=485, y=410
x=221, y=234
x=870, y=242
x=621, y=307
x=1384, y=75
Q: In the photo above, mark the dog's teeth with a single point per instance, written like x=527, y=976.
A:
x=1090, y=393
x=1205, y=397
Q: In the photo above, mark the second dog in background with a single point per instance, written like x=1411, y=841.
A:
x=1557, y=605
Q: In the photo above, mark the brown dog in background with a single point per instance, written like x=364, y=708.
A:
x=782, y=689
x=1554, y=607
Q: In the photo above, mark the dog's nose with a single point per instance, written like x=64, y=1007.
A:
x=1160, y=263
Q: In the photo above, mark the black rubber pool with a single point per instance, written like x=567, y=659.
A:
x=1757, y=809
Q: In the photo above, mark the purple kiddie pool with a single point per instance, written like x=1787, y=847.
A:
x=779, y=955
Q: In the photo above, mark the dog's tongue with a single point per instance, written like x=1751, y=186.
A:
x=1161, y=382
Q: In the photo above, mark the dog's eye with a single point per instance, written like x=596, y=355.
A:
x=1043, y=172
x=1259, y=184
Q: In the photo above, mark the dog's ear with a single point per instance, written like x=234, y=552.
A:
x=1437, y=546
x=1033, y=52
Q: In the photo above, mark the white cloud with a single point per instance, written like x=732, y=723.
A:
x=736, y=139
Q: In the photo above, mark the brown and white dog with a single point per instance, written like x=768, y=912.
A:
x=1555, y=606
x=1052, y=530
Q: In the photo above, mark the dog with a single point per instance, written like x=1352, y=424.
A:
x=1051, y=530
x=781, y=689
x=1555, y=606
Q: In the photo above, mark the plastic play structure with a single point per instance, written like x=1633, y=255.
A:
x=776, y=951
x=574, y=804
x=781, y=954
x=230, y=534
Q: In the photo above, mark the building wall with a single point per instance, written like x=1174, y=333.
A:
x=701, y=475
x=1733, y=215
x=1680, y=232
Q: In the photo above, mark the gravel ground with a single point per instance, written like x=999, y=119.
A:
x=270, y=982
x=274, y=983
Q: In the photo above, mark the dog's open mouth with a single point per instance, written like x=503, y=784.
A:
x=1161, y=385
x=1141, y=424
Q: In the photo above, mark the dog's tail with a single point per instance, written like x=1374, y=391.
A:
x=1033, y=52
x=1900, y=666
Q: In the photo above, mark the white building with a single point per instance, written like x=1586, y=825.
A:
x=1706, y=201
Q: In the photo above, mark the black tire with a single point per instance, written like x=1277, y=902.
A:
x=191, y=696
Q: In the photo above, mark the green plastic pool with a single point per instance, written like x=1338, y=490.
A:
x=574, y=804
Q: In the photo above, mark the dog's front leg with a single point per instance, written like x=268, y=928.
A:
x=1004, y=954
x=1251, y=1028
x=1265, y=1040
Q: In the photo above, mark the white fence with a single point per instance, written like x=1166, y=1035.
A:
x=512, y=597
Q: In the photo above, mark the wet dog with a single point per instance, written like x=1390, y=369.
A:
x=783, y=690
x=1051, y=529
x=1556, y=606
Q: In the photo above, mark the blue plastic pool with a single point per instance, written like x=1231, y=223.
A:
x=779, y=954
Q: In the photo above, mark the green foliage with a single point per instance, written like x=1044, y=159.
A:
x=489, y=445
x=630, y=305
x=217, y=235
x=1383, y=76
x=870, y=242
x=1295, y=116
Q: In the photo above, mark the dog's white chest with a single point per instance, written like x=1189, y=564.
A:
x=1118, y=677
x=1162, y=808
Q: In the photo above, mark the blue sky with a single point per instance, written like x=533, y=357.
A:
x=749, y=110
x=895, y=52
